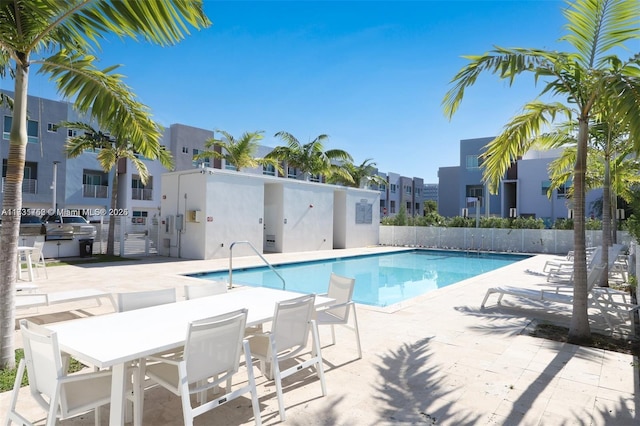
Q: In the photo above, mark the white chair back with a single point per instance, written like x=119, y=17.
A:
x=291, y=324
x=44, y=363
x=145, y=299
x=195, y=291
x=214, y=346
x=341, y=290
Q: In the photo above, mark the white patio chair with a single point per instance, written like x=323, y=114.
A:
x=62, y=395
x=194, y=291
x=287, y=340
x=37, y=258
x=341, y=290
x=129, y=302
x=211, y=356
x=145, y=299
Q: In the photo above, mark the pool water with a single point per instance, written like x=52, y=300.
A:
x=381, y=279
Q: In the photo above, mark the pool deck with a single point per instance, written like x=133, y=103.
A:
x=436, y=359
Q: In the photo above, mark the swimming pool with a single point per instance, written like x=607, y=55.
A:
x=381, y=279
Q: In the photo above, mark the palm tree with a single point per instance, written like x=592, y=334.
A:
x=311, y=158
x=608, y=146
x=239, y=153
x=110, y=149
x=359, y=176
x=60, y=37
x=582, y=79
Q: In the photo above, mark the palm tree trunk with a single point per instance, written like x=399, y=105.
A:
x=112, y=220
x=11, y=205
x=606, y=219
x=579, y=329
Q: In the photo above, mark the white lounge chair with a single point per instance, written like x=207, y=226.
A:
x=564, y=273
x=341, y=290
x=598, y=298
x=287, y=340
x=211, y=356
x=61, y=395
x=37, y=258
x=26, y=300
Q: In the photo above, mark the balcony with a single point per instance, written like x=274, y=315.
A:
x=95, y=191
x=142, y=194
x=29, y=186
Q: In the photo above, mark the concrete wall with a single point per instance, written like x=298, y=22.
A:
x=274, y=214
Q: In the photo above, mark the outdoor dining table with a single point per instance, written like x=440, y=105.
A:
x=115, y=340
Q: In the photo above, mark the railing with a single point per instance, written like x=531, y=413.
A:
x=29, y=186
x=284, y=286
x=142, y=194
x=94, y=191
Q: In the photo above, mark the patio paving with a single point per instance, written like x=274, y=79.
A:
x=436, y=359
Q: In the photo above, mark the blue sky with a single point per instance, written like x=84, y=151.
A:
x=371, y=75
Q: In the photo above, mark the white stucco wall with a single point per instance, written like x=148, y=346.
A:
x=274, y=214
x=308, y=212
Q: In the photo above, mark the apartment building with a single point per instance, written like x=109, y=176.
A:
x=522, y=191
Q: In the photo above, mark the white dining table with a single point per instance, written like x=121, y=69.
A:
x=115, y=340
x=26, y=252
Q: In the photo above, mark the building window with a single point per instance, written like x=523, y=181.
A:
x=52, y=128
x=185, y=150
x=383, y=203
x=292, y=173
x=30, y=177
x=417, y=207
x=392, y=188
x=140, y=191
x=204, y=162
x=392, y=206
x=269, y=170
x=382, y=187
x=546, y=184
x=417, y=191
x=229, y=166
x=139, y=217
x=314, y=178
x=562, y=191
x=407, y=189
x=474, y=162
x=474, y=191
x=94, y=184
x=72, y=133
x=32, y=129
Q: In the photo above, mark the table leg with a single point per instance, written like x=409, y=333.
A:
x=118, y=389
x=19, y=265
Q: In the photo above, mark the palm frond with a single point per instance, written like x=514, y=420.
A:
x=596, y=27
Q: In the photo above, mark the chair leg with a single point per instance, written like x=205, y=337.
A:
x=318, y=355
x=252, y=383
x=333, y=334
x=96, y=413
x=12, y=414
x=357, y=331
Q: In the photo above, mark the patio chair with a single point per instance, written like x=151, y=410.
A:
x=194, y=291
x=341, y=290
x=62, y=396
x=287, y=340
x=211, y=356
x=37, y=258
x=145, y=299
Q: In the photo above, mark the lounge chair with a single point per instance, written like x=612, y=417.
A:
x=564, y=273
x=34, y=300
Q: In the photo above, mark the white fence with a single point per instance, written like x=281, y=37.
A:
x=551, y=241
x=132, y=240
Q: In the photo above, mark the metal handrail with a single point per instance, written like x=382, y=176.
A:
x=256, y=252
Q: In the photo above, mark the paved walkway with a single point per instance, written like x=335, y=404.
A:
x=437, y=359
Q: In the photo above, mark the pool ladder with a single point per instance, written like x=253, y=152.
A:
x=284, y=286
